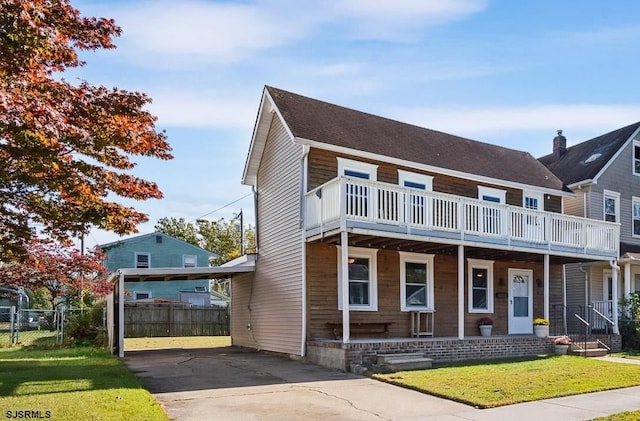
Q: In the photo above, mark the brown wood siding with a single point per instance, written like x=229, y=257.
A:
x=276, y=302
x=322, y=294
x=323, y=167
x=575, y=205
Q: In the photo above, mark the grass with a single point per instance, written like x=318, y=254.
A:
x=505, y=382
x=622, y=416
x=137, y=344
x=29, y=337
x=72, y=383
x=627, y=354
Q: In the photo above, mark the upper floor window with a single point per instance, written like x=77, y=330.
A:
x=480, y=289
x=533, y=200
x=189, y=261
x=357, y=169
x=141, y=295
x=636, y=157
x=363, y=287
x=416, y=281
x=611, y=206
x=143, y=260
x=636, y=216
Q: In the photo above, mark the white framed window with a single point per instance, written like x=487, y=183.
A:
x=635, y=287
x=415, y=181
x=416, y=281
x=189, y=261
x=480, y=288
x=143, y=260
x=141, y=295
x=635, y=216
x=357, y=169
x=636, y=157
x=363, y=281
x=611, y=206
x=417, y=208
x=532, y=200
x=489, y=194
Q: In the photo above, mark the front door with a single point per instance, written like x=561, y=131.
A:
x=520, y=301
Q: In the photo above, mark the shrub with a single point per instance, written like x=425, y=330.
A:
x=86, y=327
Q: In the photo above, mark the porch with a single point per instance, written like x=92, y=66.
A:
x=362, y=353
x=364, y=206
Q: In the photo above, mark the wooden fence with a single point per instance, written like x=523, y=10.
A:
x=153, y=319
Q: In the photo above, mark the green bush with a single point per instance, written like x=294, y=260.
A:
x=629, y=323
x=86, y=327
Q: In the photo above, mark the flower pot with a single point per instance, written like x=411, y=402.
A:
x=541, y=331
x=560, y=349
x=485, y=330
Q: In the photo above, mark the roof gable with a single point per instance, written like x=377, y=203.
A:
x=138, y=238
x=333, y=125
x=585, y=161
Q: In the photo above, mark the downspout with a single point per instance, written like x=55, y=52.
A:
x=614, y=294
x=564, y=298
x=255, y=212
x=304, y=163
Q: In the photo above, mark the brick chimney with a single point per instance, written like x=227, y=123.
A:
x=559, y=145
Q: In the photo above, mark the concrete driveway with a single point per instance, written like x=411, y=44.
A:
x=238, y=384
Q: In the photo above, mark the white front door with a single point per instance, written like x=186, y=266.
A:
x=520, y=301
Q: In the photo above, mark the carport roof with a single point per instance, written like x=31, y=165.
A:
x=174, y=274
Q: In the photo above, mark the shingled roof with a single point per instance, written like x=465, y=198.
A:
x=583, y=162
x=319, y=121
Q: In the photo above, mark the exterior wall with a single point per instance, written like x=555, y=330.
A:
x=576, y=295
x=276, y=302
x=322, y=293
x=166, y=290
x=618, y=177
x=241, y=318
x=576, y=205
x=323, y=167
x=167, y=254
x=348, y=356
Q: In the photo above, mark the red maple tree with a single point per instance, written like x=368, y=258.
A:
x=61, y=269
x=65, y=149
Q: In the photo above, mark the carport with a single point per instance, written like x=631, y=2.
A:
x=115, y=301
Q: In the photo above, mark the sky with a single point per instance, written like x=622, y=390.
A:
x=505, y=72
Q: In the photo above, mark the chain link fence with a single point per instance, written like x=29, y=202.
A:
x=36, y=326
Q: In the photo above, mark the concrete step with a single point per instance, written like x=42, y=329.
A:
x=581, y=345
x=403, y=361
x=589, y=352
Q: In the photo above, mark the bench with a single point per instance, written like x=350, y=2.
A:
x=361, y=327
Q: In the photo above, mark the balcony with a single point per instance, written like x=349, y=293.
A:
x=391, y=210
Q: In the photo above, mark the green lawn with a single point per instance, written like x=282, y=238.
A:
x=627, y=354
x=489, y=384
x=72, y=384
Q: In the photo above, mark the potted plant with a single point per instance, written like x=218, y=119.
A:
x=485, y=324
x=561, y=344
x=541, y=327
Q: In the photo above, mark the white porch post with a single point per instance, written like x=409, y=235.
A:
x=461, y=292
x=627, y=279
x=614, y=294
x=120, y=311
x=344, y=271
x=546, y=286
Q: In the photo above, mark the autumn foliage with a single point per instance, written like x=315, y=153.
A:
x=65, y=149
x=62, y=270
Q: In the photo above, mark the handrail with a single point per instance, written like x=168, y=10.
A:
x=611, y=322
x=582, y=320
x=586, y=330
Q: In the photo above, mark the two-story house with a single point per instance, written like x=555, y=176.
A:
x=604, y=175
x=379, y=236
x=159, y=250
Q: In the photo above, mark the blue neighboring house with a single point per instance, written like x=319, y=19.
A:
x=159, y=250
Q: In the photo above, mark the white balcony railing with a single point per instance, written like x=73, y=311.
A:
x=347, y=199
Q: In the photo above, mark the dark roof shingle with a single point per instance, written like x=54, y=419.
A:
x=585, y=160
x=320, y=121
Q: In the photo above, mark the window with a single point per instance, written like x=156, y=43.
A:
x=158, y=239
x=418, y=209
x=636, y=216
x=611, y=208
x=533, y=200
x=480, y=286
x=141, y=295
x=636, y=157
x=189, y=261
x=363, y=288
x=636, y=280
x=357, y=169
x=200, y=289
x=491, y=222
x=143, y=260
x=416, y=281
x=358, y=194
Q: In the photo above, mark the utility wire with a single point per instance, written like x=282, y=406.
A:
x=220, y=208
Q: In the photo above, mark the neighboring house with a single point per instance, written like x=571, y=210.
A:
x=366, y=226
x=604, y=175
x=159, y=250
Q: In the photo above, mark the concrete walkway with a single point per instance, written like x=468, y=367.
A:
x=238, y=384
